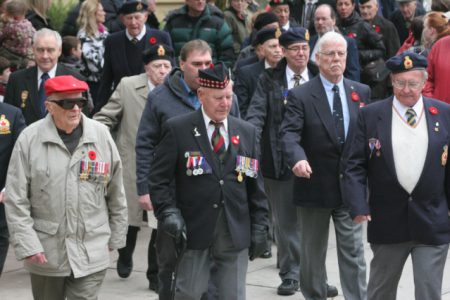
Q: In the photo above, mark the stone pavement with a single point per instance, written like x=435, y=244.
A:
x=262, y=278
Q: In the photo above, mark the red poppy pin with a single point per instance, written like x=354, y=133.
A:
x=211, y=66
x=235, y=140
x=361, y=104
x=92, y=155
x=433, y=110
x=377, y=28
x=152, y=40
x=355, y=96
x=351, y=35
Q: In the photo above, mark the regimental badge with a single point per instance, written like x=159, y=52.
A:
x=161, y=51
x=4, y=125
x=139, y=6
x=23, y=97
x=277, y=33
x=407, y=62
x=444, y=156
x=307, y=35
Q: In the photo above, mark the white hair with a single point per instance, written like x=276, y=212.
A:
x=331, y=36
x=47, y=32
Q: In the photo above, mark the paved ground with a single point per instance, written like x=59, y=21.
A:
x=262, y=278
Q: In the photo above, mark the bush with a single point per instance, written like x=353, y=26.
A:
x=58, y=12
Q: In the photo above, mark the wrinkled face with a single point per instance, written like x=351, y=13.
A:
x=196, y=60
x=134, y=22
x=323, y=21
x=331, y=59
x=282, y=12
x=196, y=6
x=239, y=5
x=369, y=10
x=100, y=14
x=157, y=70
x=408, y=9
x=297, y=55
x=272, y=51
x=46, y=52
x=65, y=119
x=344, y=8
x=216, y=102
x=408, y=86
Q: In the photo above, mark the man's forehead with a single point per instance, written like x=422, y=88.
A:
x=59, y=96
x=199, y=56
x=46, y=42
x=334, y=45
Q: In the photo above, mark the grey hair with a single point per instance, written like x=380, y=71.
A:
x=47, y=32
x=330, y=36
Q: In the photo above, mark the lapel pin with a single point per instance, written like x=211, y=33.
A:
x=196, y=133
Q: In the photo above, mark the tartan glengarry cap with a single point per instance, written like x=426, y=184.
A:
x=294, y=35
x=407, y=61
x=64, y=84
x=158, y=51
x=215, y=77
x=132, y=6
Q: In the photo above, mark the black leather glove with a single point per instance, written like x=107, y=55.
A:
x=258, y=243
x=173, y=224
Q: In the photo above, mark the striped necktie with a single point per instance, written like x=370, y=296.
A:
x=411, y=117
x=217, y=141
x=297, y=78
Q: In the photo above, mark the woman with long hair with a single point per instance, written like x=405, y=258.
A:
x=92, y=34
x=37, y=13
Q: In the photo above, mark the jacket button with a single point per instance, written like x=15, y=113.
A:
x=221, y=182
x=215, y=205
x=410, y=198
x=341, y=176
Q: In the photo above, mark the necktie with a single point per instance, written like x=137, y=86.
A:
x=134, y=40
x=297, y=78
x=411, y=117
x=41, y=92
x=217, y=141
x=338, y=116
x=307, y=15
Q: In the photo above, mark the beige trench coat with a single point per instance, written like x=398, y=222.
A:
x=50, y=209
x=123, y=113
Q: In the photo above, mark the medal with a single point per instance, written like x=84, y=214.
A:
x=240, y=178
x=199, y=171
x=189, y=172
x=195, y=172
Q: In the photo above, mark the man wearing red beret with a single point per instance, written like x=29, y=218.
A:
x=65, y=204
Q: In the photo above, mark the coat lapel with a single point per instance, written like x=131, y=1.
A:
x=233, y=131
x=31, y=83
x=384, y=129
x=141, y=87
x=353, y=108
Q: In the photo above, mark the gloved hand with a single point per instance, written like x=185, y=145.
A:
x=258, y=243
x=173, y=223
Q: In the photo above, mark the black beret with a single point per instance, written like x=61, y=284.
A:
x=215, y=77
x=294, y=35
x=363, y=1
x=407, y=61
x=264, y=19
x=266, y=34
x=273, y=3
x=132, y=6
x=158, y=51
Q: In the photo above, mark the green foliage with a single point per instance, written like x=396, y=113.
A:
x=58, y=12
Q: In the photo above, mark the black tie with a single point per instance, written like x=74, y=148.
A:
x=307, y=15
x=41, y=92
x=338, y=116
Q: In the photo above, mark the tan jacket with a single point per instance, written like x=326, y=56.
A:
x=123, y=113
x=51, y=209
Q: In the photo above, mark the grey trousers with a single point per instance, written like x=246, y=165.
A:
x=387, y=265
x=60, y=288
x=315, y=224
x=231, y=268
x=286, y=226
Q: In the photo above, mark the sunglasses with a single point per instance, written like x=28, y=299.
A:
x=70, y=103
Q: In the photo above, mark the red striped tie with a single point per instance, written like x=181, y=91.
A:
x=217, y=140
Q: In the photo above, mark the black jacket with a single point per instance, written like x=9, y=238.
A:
x=390, y=36
x=400, y=24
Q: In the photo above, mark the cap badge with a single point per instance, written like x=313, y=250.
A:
x=307, y=35
x=139, y=6
x=408, y=63
x=161, y=51
x=277, y=33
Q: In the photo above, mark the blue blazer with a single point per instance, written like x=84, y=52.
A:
x=398, y=216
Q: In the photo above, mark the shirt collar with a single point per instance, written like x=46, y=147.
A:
x=290, y=74
x=208, y=120
x=51, y=73
x=139, y=36
x=328, y=85
x=150, y=85
x=286, y=27
x=401, y=108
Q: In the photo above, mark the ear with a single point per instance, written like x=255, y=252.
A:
x=48, y=107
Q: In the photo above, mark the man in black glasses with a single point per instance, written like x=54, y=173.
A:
x=65, y=201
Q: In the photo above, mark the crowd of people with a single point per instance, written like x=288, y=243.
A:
x=235, y=127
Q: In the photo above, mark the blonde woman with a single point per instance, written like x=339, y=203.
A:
x=92, y=34
x=37, y=13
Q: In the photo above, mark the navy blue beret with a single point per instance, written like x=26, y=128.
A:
x=132, y=6
x=158, y=51
x=407, y=61
x=294, y=35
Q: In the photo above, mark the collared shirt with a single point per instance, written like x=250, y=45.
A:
x=139, y=36
x=328, y=86
x=287, y=26
x=192, y=96
x=51, y=74
x=290, y=77
x=266, y=65
x=210, y=129
x=401, y=108
x=150, y=85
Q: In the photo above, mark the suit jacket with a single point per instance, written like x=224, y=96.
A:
x=116, y=64
x=199, y=198
x=246, y=80
x=22, y=90
x=398, y=216
x=352, y=67
x=390, y=36
x=308, y=133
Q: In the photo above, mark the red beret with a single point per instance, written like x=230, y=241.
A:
x=64, y=84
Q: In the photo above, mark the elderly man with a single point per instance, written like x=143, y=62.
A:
x=282, y=8
x=404, y=15
x=400, y=155
x=65, y=205
x=316, y=132
x=218, y=202
x=123, y=49
x=25, y=88
x=123, y=112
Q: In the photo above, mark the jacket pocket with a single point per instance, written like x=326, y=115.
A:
x=96, y=240
x=47, y=234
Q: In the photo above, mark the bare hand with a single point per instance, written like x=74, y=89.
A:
x=38, y=258
x=145, y=202
x=362, y=218
x=2, y=197
x=302, y=169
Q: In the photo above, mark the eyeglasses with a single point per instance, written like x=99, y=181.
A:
x=334, y=53
x=414, y=85
x=298, y=49
x=70, y=103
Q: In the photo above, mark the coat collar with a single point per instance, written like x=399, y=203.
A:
x=49, y=133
